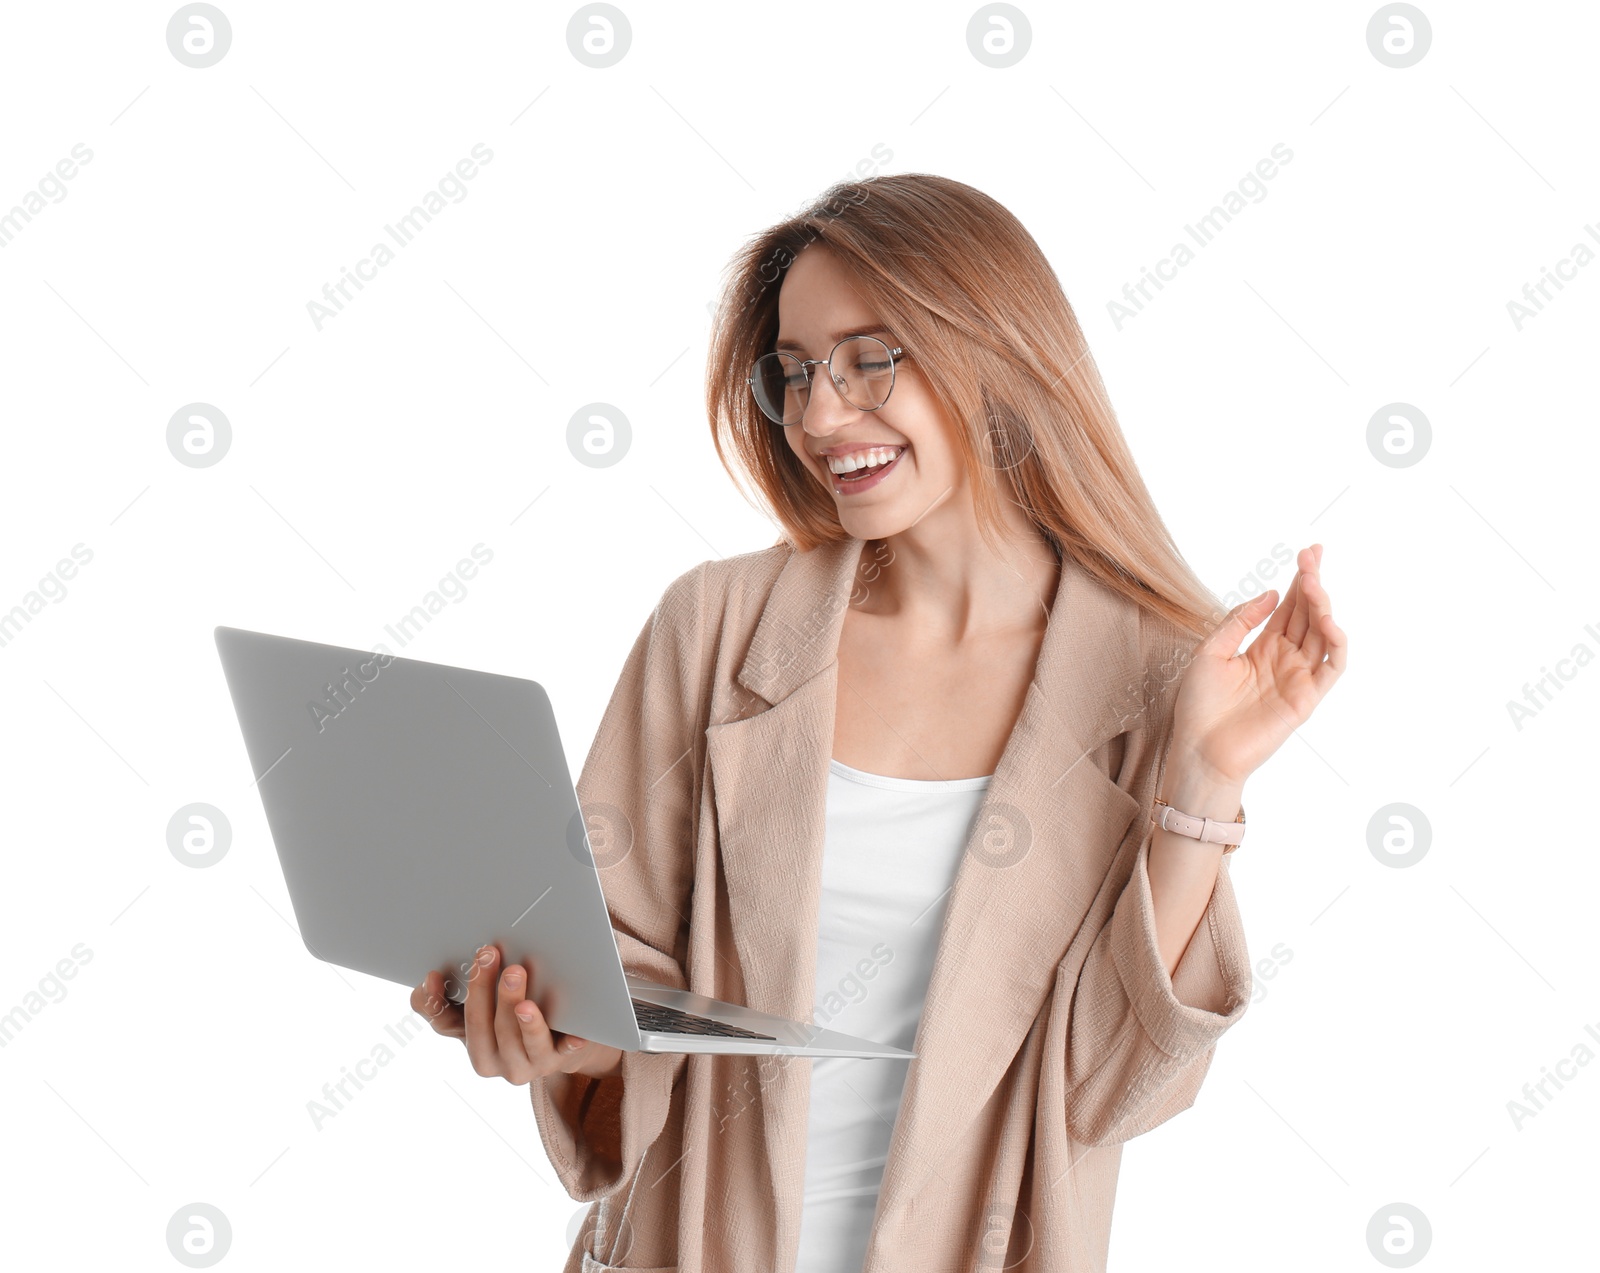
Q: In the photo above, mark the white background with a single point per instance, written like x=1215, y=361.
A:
x=431, y=415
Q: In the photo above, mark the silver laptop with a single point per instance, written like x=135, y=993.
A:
x=422, y=811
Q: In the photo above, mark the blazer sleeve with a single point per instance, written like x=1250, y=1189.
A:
x=640, y=780
x=1140, y=1041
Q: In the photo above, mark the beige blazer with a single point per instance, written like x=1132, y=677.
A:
x=1051, y=1032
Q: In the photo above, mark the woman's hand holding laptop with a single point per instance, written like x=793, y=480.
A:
x=501, y=1041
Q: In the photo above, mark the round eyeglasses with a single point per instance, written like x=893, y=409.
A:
x=861, y=368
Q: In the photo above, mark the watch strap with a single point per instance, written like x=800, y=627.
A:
x=1209, y=830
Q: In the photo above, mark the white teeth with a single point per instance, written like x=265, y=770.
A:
x=863, y=459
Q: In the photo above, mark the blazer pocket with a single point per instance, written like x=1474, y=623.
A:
x=1104, y=809
x=592, y=1265
x=1118, y=804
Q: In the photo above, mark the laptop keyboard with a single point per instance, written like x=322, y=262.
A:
x=654, y=1019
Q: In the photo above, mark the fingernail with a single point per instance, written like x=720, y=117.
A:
x=525, y=1011
x=514, y=977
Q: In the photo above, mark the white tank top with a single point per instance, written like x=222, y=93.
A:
x=890, y=854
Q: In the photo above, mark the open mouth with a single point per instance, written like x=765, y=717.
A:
x=868, y=475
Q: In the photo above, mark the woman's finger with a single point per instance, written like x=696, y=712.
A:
x=1278, y=624
x=429, y=1001
x=515, y=1064
x=479, y=1012
x=1315, y=644
x=1225, y=640
x=1300, y=619
x=1325, y=674
x=538, y=1043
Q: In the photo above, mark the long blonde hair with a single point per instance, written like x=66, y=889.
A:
x=965, y=288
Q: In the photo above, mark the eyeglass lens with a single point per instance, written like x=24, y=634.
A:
x=862, y=370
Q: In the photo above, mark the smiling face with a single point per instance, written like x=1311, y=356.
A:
x=816, y=306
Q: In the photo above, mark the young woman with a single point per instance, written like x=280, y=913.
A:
x=955, y=765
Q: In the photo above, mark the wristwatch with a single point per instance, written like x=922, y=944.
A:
x=1209, y=830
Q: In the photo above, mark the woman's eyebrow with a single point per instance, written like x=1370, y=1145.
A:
x=871, y=330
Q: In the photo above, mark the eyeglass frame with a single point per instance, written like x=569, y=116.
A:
x=805, y=369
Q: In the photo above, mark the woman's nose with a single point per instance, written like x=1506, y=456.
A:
x=824, y=402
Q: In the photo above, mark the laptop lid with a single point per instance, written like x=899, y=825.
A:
x=420, y=811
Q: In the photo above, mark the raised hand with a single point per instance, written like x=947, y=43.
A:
x=1235, y=709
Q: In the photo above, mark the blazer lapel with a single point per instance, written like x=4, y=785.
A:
x=1040, y=845
x=1043, y=839
x=768, y=774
